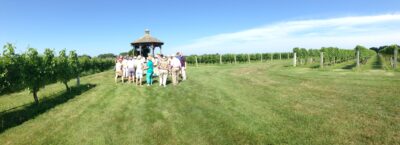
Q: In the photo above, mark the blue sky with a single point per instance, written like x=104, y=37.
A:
x=198, y=27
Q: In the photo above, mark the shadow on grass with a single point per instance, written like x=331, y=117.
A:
x=15, y=116
x=349, y=66
x=315, y=66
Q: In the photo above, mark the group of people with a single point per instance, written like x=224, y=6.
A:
x=134, y=68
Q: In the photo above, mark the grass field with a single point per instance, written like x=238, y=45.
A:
x=258, y=103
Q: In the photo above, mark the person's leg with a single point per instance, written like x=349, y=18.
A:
x=178, y=72
x=148, y=78
x=134, y=76
x=165, y=76
x=123, y=75
x=160, y=77
x=129, y=76
x=151, y=78
x=175, y=74
x=183, y=73
x=137, y=78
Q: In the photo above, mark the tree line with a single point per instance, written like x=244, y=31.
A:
x=332, y=55
x=235, y=58
x=33, y=71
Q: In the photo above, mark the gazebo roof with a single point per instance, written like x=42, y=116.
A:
x=147, y=39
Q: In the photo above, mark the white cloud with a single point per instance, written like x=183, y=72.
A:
x=344, y=32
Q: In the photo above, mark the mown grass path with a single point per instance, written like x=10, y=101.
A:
x=268, y=103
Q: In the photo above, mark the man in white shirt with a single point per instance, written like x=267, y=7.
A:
x=175, y=68
x=124, y=68
x=139, y=70
x=118, y=70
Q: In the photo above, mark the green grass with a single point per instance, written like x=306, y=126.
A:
x=258, y=103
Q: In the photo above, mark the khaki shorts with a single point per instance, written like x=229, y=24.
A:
x=118, y=73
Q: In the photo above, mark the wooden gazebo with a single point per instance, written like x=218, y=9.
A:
x=145, y=44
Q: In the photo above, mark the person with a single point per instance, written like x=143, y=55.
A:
x=124, y=68
x=169, y=62
x=150, y=70
x=183, y=65
x=156, y=61
x=175, y=68
x=118, y=70
x=131, y=70
x=139, y=70
x=163, y=70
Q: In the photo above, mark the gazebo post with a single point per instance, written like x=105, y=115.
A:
x=160, y=50
x=140, y=50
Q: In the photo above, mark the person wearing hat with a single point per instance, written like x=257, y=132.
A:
x=175, y=68
x=139, y=70
x=163, y=70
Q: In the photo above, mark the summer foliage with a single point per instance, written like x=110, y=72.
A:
x=332, y=55
x=239, y=58
x=34, y=71
x=256, y=103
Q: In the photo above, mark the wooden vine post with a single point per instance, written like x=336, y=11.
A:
x=197, y=65
x=321, y=61
x=396, y=51
x=358, y=58
x=261, y=57
x=280, y=56
x=294, y=59
x=248, y=57
x=272, y=56
x=234, y=58
x=220, y=59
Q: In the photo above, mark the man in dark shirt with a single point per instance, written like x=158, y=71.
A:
x=182, y=59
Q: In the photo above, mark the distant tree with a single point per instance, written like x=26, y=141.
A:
x=85, y=63
x=124, y=54
x=107, y=55
x=131, y=52
x=34, y=75
x=80, y=56
x=376, y=49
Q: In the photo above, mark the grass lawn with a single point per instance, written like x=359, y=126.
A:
x=258, y=103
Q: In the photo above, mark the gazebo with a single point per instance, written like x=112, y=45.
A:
x=145, y=44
